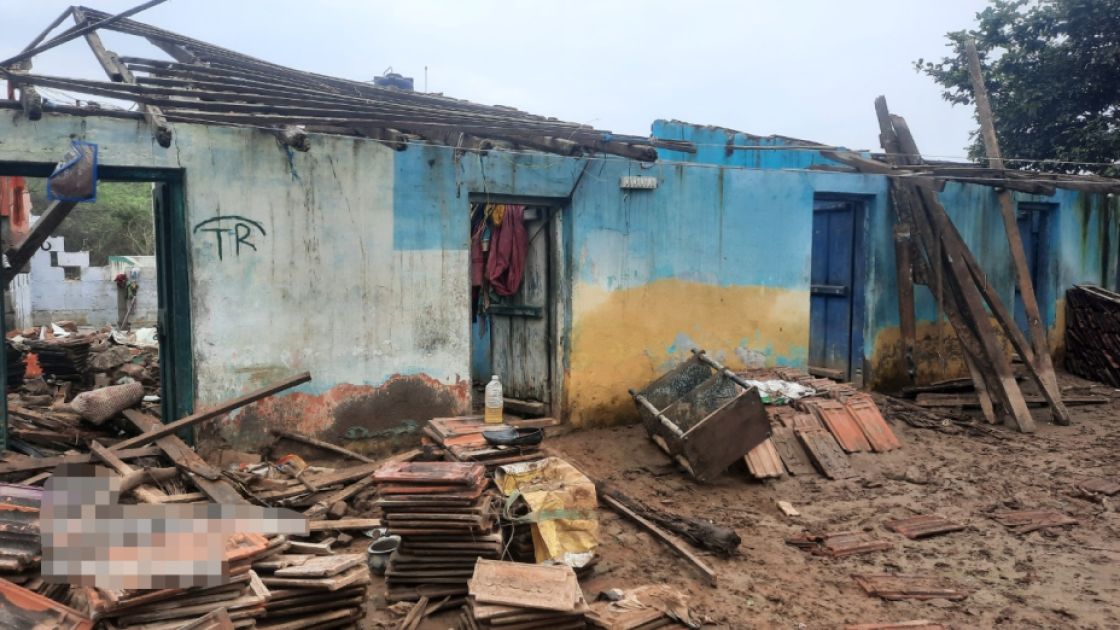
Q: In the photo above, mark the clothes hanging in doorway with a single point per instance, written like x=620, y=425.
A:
x=509, y=244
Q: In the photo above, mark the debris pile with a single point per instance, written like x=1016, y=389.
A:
x=19, y=534
x=642, y=608
x=445, y=516
x=817, y=427
x=155, y=467
x=242, y=599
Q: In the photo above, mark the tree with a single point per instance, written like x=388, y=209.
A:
x=119, y=223
x=1052, y=68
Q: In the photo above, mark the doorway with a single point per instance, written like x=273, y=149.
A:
x=150, y=293
x=516, y=335
x=835, y=307
x=1035, y=228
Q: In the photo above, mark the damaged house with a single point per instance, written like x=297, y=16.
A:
x=310, y=223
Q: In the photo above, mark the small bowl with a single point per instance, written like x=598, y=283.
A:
x=378, y=552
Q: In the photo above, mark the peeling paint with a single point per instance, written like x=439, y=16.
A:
x=375, y=415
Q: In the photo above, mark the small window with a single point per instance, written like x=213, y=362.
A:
x=72, y=273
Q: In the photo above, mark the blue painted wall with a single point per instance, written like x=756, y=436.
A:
x=737, y=221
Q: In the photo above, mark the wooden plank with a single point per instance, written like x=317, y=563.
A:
x=118, y=72
x=70, y=34
x=417, y=613
x=981, y=386
x=431, y=473
x=528, y=407
x=356, y=575
x=326, y=446
x=541, y=587
x=219, y=410
x=1006, y=389
x=966, y=401
x=763, y=461
x=973, y=316
x=215, y=620
x=792, y=452
x=344, y=523
x=1042, y=361
x=673, y=542
x=322, y=566
x=323, y=481
x=186, y=497
x=904, y=275
x=825, y=453
x=144, y=492
x=220, y=491
x=45, y=463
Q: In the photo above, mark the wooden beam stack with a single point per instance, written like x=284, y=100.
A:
x=1093, y=334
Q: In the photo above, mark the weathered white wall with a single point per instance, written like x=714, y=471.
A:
x=19, y=296
x=90, y=300
x=318, y=286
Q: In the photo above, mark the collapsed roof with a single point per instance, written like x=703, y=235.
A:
x=203, y=83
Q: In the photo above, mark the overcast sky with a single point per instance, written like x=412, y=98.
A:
x=804, y=68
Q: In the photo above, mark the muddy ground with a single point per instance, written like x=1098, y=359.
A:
x=1065, y=578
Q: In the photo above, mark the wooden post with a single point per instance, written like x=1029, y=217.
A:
x=961, y=299
x=154, y=433
x=22, y=252
x=30, y=52
x=118, y=72
x=1043, y=363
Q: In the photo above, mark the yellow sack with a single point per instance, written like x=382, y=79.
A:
x=563, y=520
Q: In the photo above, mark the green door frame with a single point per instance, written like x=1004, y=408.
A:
x=176, y=362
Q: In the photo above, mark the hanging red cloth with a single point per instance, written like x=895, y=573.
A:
x=509, y=244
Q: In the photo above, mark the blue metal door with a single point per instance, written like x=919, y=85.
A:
x=1034, y=231
x=832, y=279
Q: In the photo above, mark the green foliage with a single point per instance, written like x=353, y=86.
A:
x=119, y=223
x=1052, y=69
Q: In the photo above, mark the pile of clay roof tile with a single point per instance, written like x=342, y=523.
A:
x=243, y=597
x=818, y=432
x=462, y=439
x=446, y=516
x=309, y=591
x=19, y=532
x=509, y=595
x=64, y=358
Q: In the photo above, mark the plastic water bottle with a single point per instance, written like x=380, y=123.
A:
x=494, y=401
